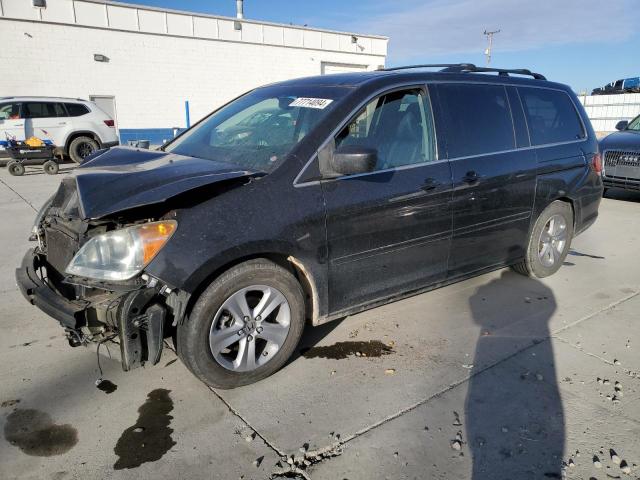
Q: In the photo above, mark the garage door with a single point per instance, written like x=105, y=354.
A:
x=329, y=68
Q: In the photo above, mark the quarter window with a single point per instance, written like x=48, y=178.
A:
x=477, y=119
x=76, y=109
x=551, y=116
x=399, y=125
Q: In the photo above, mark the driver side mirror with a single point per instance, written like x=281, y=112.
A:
x=622, y=125
x=347, y=160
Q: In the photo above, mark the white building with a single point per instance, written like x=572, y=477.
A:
x=143, y=63
x=605, y=111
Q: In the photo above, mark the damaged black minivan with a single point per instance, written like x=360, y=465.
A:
x=307, y=201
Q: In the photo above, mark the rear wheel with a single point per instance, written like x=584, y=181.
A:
x=81, y=147
x=244, y=326
x=15, y=168
x=549, y=242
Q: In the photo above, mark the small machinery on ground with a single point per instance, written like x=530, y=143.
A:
x=30, y=149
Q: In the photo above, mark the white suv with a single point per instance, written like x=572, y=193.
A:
x=77, y=127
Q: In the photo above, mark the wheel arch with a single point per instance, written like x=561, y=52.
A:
x=293, y=264
x=571, y=203
x=80, y=133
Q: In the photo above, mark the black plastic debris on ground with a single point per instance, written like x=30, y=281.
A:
x=107, y=386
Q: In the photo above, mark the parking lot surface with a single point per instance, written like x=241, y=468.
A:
x=497, y=377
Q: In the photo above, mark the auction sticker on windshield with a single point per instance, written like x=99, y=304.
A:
x=319, y=103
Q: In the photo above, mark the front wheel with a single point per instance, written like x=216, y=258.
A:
x=244, y=326
x=549, y=241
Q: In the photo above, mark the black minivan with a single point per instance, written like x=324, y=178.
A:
x=309, y=200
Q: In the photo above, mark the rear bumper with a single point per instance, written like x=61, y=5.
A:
x=70, y=314
x=110, y=144
x=621, y=183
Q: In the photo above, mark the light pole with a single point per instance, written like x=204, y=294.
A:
x=487, y=52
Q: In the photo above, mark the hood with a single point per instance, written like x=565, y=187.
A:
x=624, y=140
x=124, y=178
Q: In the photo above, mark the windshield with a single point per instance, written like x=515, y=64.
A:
x=634, y=124
x=259, y=129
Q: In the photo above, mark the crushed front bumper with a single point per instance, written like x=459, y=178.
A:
x=69, y=313
x=137, y=316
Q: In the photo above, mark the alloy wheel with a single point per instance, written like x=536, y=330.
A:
x=553, y=240
x=249, y=328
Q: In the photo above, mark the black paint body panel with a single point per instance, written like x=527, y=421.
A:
x=362, y=240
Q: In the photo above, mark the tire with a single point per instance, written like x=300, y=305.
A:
x=536, y=264
x=50, y=167
x=15, y=168
x=193, y=335
x=81, y=147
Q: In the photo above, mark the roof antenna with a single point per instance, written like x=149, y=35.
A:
x=487, y=52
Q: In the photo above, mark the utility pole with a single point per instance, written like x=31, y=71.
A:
x=487, y=52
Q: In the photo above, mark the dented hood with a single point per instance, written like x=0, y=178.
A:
x=124, y=178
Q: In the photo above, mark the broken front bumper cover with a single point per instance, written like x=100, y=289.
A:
x=69, y=313
x=138, y=315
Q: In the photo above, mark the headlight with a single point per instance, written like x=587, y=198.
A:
x=121, y=254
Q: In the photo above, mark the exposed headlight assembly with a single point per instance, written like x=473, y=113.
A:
x=121, y=254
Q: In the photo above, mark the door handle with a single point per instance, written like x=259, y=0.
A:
x=471, y=177
x=430, y=183
x=62, y=123
x=19, y=125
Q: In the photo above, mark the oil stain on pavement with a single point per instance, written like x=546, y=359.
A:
x=34, y=432
x=150, y=438
x=342, y=350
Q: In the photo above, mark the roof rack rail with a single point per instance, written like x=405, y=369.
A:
x=471, y=68
x=430, y=65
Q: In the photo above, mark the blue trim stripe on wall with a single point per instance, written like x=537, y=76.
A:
x=156, y=136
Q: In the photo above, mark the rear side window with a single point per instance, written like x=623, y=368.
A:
x=477, y=119
x=43, y=110
x=551, y=116
x=76, y=109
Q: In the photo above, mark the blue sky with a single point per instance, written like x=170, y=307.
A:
x=584, y=43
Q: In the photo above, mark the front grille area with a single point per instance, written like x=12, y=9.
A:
x=60, y=248
x=622, y=164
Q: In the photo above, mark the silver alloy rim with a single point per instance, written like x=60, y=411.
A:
x=250, y=328
x=553, y=240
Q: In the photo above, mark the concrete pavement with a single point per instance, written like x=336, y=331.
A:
x=496, y=377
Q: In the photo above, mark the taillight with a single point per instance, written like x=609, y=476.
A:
x=596, y=163
x=110, y=123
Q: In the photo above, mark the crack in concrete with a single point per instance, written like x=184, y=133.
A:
x=597, y=312
x=297, y=464
x=579, y=348
x=21, y=197
x=294, y=467
x=267, y=442
x=488, y=367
